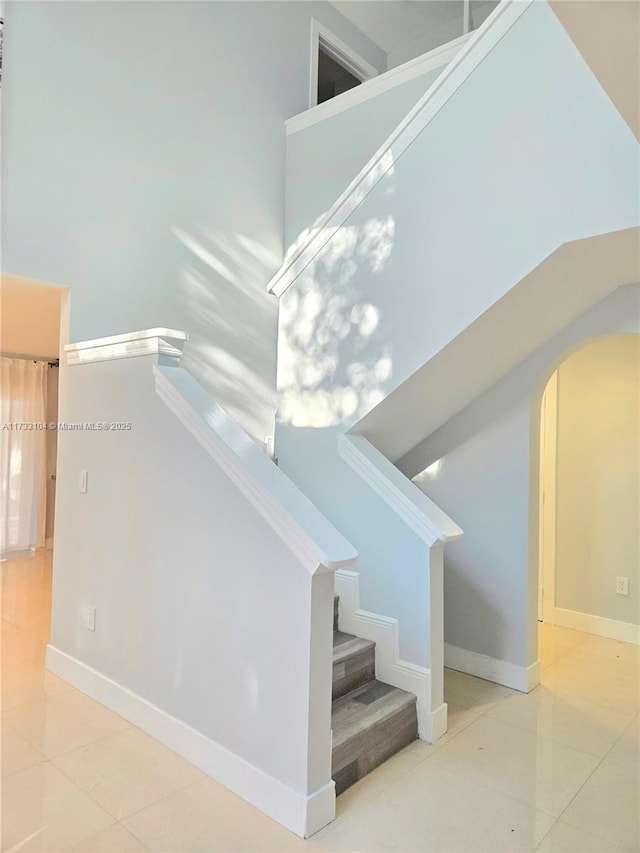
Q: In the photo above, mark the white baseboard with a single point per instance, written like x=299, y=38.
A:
x=626, y=632
x=301, y=813
x=533, y=676
x=438, y=723
x=522, y=678
x=383, y=631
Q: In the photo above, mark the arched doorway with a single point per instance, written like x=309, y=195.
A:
x=589, y=531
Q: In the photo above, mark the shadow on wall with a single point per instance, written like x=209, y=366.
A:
x=334, y=359
x=233, y=324
x=334, y=355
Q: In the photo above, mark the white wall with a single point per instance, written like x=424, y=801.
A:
x=436, y=244
x=143, y=166
x=597, y=502
x=487, y=480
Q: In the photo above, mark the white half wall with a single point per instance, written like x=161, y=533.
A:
x=393, y=560
x=210, y=631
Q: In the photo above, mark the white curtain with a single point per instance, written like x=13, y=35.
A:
x=23, y=399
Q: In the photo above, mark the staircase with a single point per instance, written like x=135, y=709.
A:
x=370, y=720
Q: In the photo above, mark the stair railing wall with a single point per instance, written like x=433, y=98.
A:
x=434, y=528
x=210, y=573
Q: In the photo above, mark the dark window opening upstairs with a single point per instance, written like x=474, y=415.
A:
x=333, y=78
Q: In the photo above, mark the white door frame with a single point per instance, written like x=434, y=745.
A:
x=548, y=471
x=321, y=37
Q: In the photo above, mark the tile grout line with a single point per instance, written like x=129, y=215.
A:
x=580, y=789
x=545, y=836
x=53, y=758
x=601, y=760
x=517, y=799
x=547, y=738
x=108, y=813
x=486, y=787
x=568, y=745
x=578, y=698
x=442, y=743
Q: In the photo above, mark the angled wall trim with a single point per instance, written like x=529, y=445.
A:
x=463, y=65
x=390, y=668
x=165, y=342
x=302, y=527
x=410, y=503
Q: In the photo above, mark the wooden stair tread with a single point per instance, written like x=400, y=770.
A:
x=370, y=720
x=366, y=707
x=346, y=645
x=354, y=663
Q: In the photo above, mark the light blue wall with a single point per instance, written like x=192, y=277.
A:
x=311, y=454
x=524, y=157
x=485, y=482
x=323, y=159
x=143, y=166
x=512, y=166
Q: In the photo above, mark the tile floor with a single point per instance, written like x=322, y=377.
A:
x=557, y=770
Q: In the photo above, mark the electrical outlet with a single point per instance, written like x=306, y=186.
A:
x=622, y=586
x=91, y=618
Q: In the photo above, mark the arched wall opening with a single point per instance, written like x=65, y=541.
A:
x=487, y=480
x=586, y=454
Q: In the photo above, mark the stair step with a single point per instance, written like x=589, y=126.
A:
x=369, y=725
x=354, y=663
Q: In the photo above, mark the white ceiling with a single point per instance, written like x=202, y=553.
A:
x=393, y=23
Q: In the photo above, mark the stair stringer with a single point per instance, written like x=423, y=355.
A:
x=390, y=668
